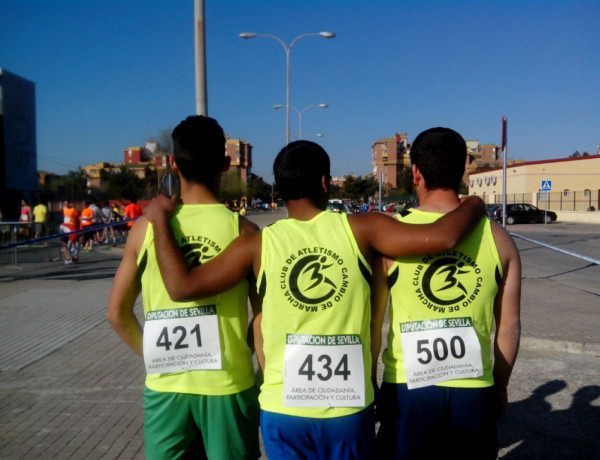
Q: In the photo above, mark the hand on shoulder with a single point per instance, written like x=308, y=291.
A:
x=161, y=208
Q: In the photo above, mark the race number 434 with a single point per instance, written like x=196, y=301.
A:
x=323, y=371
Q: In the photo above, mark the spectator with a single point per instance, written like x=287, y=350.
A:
x=87, y=238
x=107, y=218
x=70, y=246
x=40, y=217
x=25, y=220
x=96, y=221
x=132, y=211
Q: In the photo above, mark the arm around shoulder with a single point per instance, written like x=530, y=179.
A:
x=396, y=239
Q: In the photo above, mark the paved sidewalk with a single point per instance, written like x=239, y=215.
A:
x=70, y=389
x=68, y=386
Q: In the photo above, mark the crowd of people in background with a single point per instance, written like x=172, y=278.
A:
x=98, y=220
x=77, y=226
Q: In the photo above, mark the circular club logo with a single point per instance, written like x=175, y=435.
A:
x=312, y=281
x=447, y=282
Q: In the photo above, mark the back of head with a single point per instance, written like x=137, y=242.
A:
x=298, y=169
x=199, y=149
x=440, y=155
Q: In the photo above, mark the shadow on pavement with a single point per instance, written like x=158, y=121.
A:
x=532, y=429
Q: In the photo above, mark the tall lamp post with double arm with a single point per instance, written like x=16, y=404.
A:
x=287, y=49
x=301, y=114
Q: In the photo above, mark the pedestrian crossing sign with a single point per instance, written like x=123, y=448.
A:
x=546, y=186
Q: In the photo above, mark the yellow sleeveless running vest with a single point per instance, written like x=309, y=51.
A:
x=202, y=232
x=457, y=287
x=316, y=318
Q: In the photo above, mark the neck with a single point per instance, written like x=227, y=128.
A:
x=440, y=200
x=302, y=209
x=193, y=193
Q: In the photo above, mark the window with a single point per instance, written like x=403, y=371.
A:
x=587, y=192
x=566, y=192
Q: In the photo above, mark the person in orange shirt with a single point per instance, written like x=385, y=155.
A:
x=87, y=214
x=69, y=244
x=132, y=211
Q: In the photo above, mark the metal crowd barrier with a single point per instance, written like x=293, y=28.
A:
x=9, y=231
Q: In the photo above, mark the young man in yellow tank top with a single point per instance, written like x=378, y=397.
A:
x=442, y=388
x=200, y=399
x=313, y=271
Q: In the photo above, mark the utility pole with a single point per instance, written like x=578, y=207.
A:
x=201, y=98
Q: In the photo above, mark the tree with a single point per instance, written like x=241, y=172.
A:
x=165, y=141
x=231, y=187
x=125, y=183
x=258, y=189
x=71, y=186
x=359, y=188
x=406, y=182
x=336, y=191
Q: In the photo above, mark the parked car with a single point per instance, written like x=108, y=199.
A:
x=339, y=206
x=491, y=209
x=523, y=212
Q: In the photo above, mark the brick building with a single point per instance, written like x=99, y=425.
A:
x=389, y=157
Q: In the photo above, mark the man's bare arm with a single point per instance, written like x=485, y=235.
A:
x=247, y=228
x=396, y=239
x=125, y=290
x=507, y=313
x=379, y=301
x=217, y=275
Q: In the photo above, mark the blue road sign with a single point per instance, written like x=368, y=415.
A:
x=546, y=186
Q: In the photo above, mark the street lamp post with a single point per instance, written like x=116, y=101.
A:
x=301, y=114
x=287, y=49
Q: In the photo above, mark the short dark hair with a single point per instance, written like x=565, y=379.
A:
x=440, y=154
x=199, y=148
x=298, y=169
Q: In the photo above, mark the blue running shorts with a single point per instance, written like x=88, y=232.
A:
x=344, y=438
x=421, y=423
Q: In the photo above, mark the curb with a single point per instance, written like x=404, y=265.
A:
x=563, y=346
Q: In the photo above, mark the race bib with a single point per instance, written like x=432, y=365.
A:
x=182, y=339
x=439, y=350
x=323, y=371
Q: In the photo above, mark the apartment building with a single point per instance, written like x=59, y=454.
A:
x=389, y=157
x=240, y=153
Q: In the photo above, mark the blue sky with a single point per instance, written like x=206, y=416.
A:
x=110, y=74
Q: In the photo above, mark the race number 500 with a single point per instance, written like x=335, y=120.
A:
x=439, y=351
